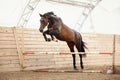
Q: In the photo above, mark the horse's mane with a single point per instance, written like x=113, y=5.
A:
x=55, y=20
x=52, y=18
x=50, y=13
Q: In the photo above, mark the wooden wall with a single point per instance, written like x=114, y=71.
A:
x=8, y=53
x=15, y=41
x=117, y=53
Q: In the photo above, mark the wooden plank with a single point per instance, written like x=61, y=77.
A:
x=33, y=35
x=23, y=48
x=47, y=57
x=8, y=50
x=5, y=62
x=9, y=66
x=21, y=58
x=113, y=58
x=7, y=53
x=7, y=39
x=99, y=60
x=5, y=29
x=41, y=46
x=117, y=45
x=38, y=42
x=7, y=46
x=35, y=39
x=7, y=42
x=117, y=63
x=9, y=69
x=35, y=60
x=42, y=49
x=28, y=30
x=39, y=64
x=98, y=64
x=38, y=67
x=32, y=42
x=6, y=34
x=8, y=57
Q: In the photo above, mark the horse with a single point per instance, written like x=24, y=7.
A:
x=62, y=32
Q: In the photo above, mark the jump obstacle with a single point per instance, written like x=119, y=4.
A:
x=70, y=71
x=67, y=53
x=28, y=44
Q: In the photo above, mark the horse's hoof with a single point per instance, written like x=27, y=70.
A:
x=75, y=68
x=48, y=39
x=55, y=40
x=82, y=67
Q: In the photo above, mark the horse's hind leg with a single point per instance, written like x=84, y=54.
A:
x=71, y=46
x=81, y=62
x=80, y=49
x=74, y=61
x=52, y=37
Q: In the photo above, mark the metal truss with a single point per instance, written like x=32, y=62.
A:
x=89, y=5
x=86, y=12
x=74, y=2
x=27, y=12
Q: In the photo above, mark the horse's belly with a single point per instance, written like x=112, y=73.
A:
x=60, y=38
x=66, y=34
x=65, y=37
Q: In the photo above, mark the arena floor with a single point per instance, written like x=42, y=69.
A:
x=30, y=75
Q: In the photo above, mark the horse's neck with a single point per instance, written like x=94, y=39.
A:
x=55, y=22
x=58, y=24
x=51, y=23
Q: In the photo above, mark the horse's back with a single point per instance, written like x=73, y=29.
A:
x=67, y=34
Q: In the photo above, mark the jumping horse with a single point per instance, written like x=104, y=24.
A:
x=62, y=32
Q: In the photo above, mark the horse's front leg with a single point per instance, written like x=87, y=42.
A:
x=45, y=37
x=54, y=32
x=52, y=37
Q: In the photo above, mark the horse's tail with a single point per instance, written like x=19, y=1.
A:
x=83, y=46
x=80, y=45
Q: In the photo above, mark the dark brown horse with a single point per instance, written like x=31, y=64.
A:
x=62, y=32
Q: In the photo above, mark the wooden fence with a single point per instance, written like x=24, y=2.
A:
x=20, y=49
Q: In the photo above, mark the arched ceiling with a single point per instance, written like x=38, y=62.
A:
x=28, y=10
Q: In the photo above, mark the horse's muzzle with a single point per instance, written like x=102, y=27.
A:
x=40, y=30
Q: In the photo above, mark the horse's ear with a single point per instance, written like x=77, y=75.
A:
x=49, y=16
x=40, y=15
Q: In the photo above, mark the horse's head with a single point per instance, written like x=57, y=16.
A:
x=44, y=20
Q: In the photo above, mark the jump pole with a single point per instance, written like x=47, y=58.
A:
x=65, y=53
x=62, y=53
x=70, y=71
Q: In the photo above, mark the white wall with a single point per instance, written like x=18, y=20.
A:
x=10, y=11
x=104, y=18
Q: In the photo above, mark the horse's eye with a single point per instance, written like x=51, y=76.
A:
x=41, y=20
